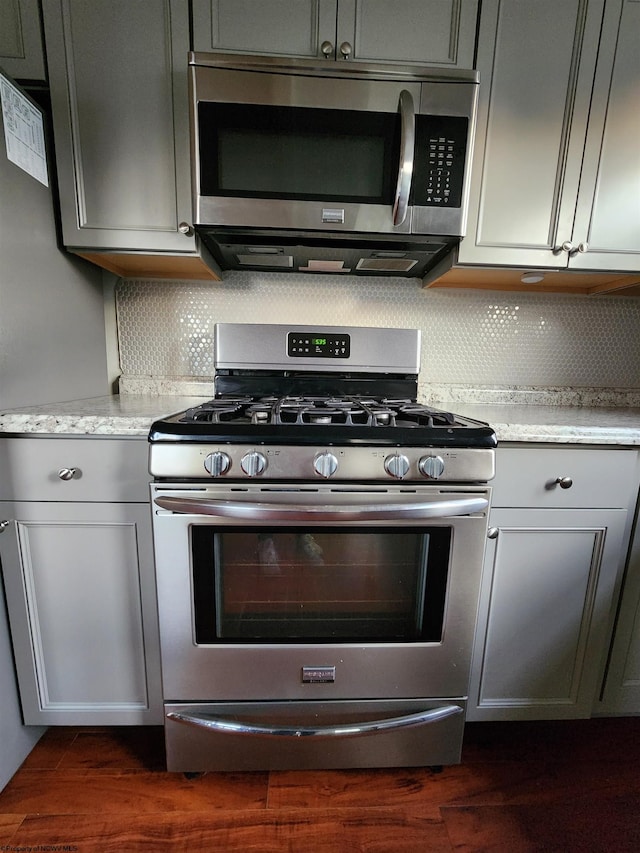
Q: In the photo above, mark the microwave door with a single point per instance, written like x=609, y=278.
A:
x=301, y=167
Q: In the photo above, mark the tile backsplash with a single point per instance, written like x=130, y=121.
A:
x=473, y=338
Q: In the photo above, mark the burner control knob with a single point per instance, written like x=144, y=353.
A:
x=396, y=466
x=253, y=463
x=325, y=464
x=432, y=467
x=217, y=463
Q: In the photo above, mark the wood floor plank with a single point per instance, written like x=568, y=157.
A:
x=51, y=748
x=57, y=792
x=601, y=739
x=407, y=787
x=122, y=749
x=9, y=823
x=382, y=830
x=492, y=783
x=608, y=825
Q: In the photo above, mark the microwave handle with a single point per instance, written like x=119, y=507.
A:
x=407, y=145
x=256, y=511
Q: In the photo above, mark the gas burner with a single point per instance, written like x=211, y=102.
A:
x=216, y=411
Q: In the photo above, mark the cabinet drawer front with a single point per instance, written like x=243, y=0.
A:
x=529, y=477
x=63, y=469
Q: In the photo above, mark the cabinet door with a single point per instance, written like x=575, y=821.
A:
x=536, y=71
x=118, y=77
x=21, y=53
x=621, y=694
x=425, y=32
x=545, y=612
x=80, y=588
x=272, y=27
x=608, y=212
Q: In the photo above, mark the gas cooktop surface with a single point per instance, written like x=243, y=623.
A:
x=351, y=419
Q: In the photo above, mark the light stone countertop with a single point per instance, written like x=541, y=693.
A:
x=133, y=414
x=119, y=415
x=515, y=422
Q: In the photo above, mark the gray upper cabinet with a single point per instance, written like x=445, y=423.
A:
x=427, y=32
x=21, y=53
x=556, y=168
x=608, y=209
x=118, y=77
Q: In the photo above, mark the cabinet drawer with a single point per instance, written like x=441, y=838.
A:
x=104, y=469
x=599, y=478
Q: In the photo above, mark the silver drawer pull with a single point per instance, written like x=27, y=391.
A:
x=4, y=525
x=68, y=473
x=564, y=482
x=219, y=724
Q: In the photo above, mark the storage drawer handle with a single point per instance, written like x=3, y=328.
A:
x=564, y=482
x=218, y=724
x=67, y=473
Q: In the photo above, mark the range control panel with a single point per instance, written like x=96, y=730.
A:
x=318, y=345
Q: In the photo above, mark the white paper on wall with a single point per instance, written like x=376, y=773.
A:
x=23, y=132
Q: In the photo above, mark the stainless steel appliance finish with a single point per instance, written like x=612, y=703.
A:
x=298, y=165
x=317, y=598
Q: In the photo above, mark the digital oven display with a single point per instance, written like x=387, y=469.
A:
x=318, y=345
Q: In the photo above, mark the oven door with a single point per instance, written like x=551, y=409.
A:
x=317, y=592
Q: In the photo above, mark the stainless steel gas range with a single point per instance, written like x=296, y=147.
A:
x=319, y=538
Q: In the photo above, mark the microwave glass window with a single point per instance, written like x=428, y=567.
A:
x=257, y=151
x=321, y=584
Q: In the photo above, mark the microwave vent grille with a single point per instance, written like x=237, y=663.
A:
x=386, y=264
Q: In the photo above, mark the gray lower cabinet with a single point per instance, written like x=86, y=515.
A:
x=621, y=694
x=553, y=569
x=118, y=80
x=79, y=578
x=21, y=53
x=425, y=32
x=556, y=165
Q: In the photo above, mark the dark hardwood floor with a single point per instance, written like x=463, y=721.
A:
x=562, y=786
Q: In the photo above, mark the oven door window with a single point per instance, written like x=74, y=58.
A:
x=257, y=151
x=324, y=585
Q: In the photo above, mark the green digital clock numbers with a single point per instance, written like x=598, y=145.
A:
x=316, y=345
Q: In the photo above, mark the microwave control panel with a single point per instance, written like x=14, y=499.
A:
x=441, y=146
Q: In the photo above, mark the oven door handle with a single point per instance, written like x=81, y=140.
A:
x=257, y=511
x=405, y=167
x=221, y=724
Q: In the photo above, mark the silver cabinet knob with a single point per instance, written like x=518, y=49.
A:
x=4, y=525
x=217, y=463
x=68, y=473
x=564, y=482
x=186, y=229
x=325, y=464
x=581, y=248
x=327, y=48
x=570, y=249
x=253, y=463
x=492, y=533
x=396, y=466
x=432, y=467
x=346, y=50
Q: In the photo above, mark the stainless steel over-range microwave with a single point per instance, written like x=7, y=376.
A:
x=329, y=167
